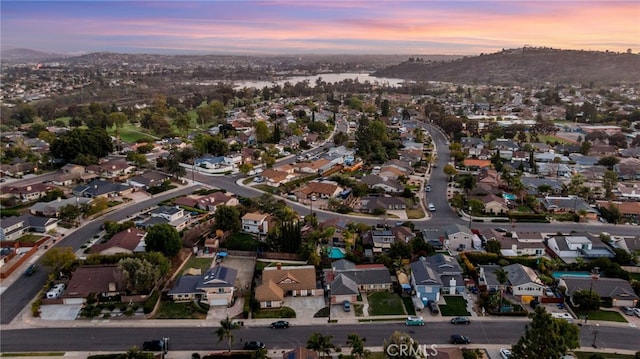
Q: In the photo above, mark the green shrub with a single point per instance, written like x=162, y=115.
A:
x=150, y=303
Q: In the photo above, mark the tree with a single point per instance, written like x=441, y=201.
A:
x=139, y=275
x=163, y=238
x=92, y=142
x=69, y=213
x=262, y=132
x=545, y=338
x=400, y=340
x=227, y=218
x=320, y=343
x=449, y=170
x=172, y=165
x=608, y=161
x=493, y=246
x=58, y=258
x=609, y=182
x=586, y=299
x=225, y=332
x=357, y=346
x=619, y=140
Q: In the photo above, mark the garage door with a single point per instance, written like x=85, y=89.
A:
x=73, y=300
x=213, y=302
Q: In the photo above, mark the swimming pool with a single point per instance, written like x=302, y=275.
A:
x=336, y=253
x=571, y=274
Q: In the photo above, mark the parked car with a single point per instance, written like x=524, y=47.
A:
x=253, y=345
x=428, y=188
x=505, y=353
x=500, y=229
x=433, y=306
x=460, y=339
x=432, y=207
x=346, y=306
x=280, y=324
x=155, y=346
x=627, y=310
x=460, y=320
x=636, y=311
x=31, y=270
x=414, y=320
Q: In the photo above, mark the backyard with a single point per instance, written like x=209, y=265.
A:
x=385, y=303
x=456, y=306
x=198, y=263
x=241, y=242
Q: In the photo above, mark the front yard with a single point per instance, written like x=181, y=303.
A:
x=606, y=315
x=456, y=306
x=284, y=312
x=188, y=310
x=385, y=303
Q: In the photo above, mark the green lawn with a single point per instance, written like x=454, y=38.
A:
x=385, y=303
x=322, y=313
x=284, y=312
x=241, y=242
x=456, y=306
x=607, y=315
x=359, y=309
x=635, y=276
x=130, y=133
x=408, y=305
x=195, y=262
x=171, y=310
x=29, y=238
x=415, y=213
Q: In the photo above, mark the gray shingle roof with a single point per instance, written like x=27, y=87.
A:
x=423, y=273
x=605, y=287
x=343, y=285
x=517, y=274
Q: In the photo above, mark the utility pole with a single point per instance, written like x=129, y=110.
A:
x=595, y=274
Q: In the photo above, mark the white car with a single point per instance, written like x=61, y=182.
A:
x=505, y=353
x=432, y=207
x=637, y=312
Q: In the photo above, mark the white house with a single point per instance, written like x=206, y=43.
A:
x=255, y=223
x=523, y=281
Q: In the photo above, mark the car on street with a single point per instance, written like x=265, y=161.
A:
x=31, y=270
x=636, y=311
x=460, y=339
x=432, y=207
x=500, y=229
x=254, y=345
x=414, y=320
x=627, y=310
x=280, y=324
x=505, y=353
x=428, y=188
x=155, y=346
x=346, y=306
x=460, y=320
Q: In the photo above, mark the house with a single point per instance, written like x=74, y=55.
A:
x=434, y=275
x=371, y=204
x=630, y=211
x=316, y=167
x=17, y=170
x=275, y=178
x=101, y=280
x=488, y=177
x=380, y=239
x=12, y=228
x=52, y=208
x=476, y=164
x=403, y=234
x=553, y=169
x=289, y=281
x=216, y=287
x=27, y=193
x=629, y=244
x=494, y=204
x=618, y=291
x=71, y=168
x=128, y=241
x=101, y=188
x=256, y=223
x=378, y=182
x=300, y=353
x=523, y=282
x=568, y=248
x=628, y=169
x=458, y=237
x=325, y=189
x=174, y=216
x=115, y=169
x=517, y=244
x=148, y=180
x=569, y=204
x=211, y=201
x=532, y=185
x=367, y=277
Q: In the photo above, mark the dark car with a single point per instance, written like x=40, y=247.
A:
x=32, y=269
x=460, y=320
x=460, y=339
x=500, y=229
x=155, y=346
x=280, y=324
x=253, y=345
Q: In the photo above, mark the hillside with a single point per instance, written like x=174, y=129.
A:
x=525, y=66
x=25, y=55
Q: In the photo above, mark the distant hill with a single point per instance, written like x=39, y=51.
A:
x=25, y=55
x=525, y=66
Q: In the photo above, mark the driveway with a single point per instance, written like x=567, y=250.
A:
x=60, y=311
x=305, y=307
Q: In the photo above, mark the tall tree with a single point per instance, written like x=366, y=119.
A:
x=58, y=258
x=225, y=332
x=544, y=338
x=356, y=343
x=320, y=343
x=163, y=238
x=227, y=218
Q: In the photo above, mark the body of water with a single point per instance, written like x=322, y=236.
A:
x=571, y=274
x=328, y=78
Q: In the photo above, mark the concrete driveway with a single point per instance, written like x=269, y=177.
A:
x=245, y=267
x=60, y=311
x=305, y=307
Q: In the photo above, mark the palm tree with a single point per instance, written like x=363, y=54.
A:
x=320, y=343
x=133, y=352
x=357, y=346
x=225, y=332
x=260, y=354
x=501, y=276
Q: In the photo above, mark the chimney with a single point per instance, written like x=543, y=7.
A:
x=279, y=266
x=112, y=287
x=128, y=230
x=28, y=188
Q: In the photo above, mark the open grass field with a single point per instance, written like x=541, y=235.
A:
x=131, y=134
x=385, y=303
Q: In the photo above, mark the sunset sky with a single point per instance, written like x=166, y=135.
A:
x=318, y=26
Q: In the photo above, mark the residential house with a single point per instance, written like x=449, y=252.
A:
x=628, y=192
x=630, y=211
x=488, y=177
x=628, y=169
x=459, y=237
x=403, y=234
x=367, y=277
x=256, y=224
x=101, y=188
x=101, y=280
x=316, y=167
x=116, y=169
x=494, y=204
x=614, y=290
x=376, y=181
x=371, y=204
x=553, y=169
x=531, y=244
x=475, y=164
x=300, y=353
x=211, y=201
x=275, y=178
x=129, y=241
x=339, y=225
x=568, y=248
x=17, y=170
x=52, y=208
x=434, y=275
x=174, y=216
x=148, y=180
x=216, y=287
x=629, y=244
x=569, y=204
x=523, y=282
x=379, y=239
x=293, y=281
x=27, y=193
x=532, y=185
x=324, y=189
x=12, y=228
